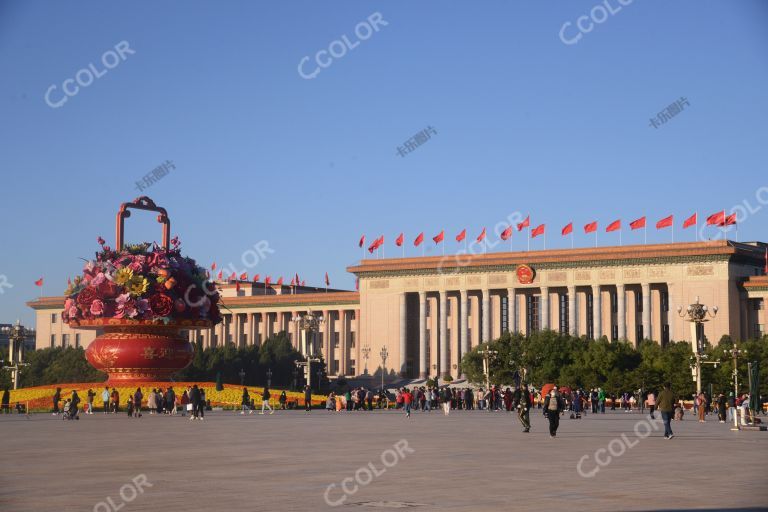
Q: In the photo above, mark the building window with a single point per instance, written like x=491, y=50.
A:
x=639, y=302
x=53, y=340
x=335, y=368
x=504, y=313
x=639, y=330
x=665, y=335
x=65, y=340
x=427, y=308
x=77, y=341
x=664, y=300
x=532, y=314
x=351, y=340
x=469, y=336
x=590, y=316
x=563, y=313
x=614, y=302
x=428, y=335
x=614, y=333
x=335, y=340
x=757, y=304
x=53, y=318
x=448, y=307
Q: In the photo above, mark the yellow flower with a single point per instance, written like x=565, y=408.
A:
x=137, y=285
x=123, y=275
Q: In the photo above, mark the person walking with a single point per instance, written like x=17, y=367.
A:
x=202, y=404
x=91, y=395
x=701, y=400
x=170, y=401
x=137, y=397
x=194, y=399
x=265, y=401
x=652, y=404
x=152, y=401
x=114, y=396
x=73, y=404
x=282, y=400
x=553, y=405
x=6, y=403
x=105, y=399
x=665, y=403
x=245, y=401
x=407, y=401
x=446, y=398
x=721, y=407
x=523, y=400
x=601, y=400
x=307, y=399
x=56, y=400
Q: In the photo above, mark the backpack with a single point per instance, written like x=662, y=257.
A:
x=552, y=403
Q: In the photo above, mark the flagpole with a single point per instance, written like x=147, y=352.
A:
x=571, y=238
x=697, y=226
x=645, y=231
x=673, y=231
x=529, y=236
x=595, y=237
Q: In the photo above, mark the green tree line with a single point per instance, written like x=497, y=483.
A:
x=551, y=357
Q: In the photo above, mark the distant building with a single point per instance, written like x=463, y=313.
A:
x=428, y=311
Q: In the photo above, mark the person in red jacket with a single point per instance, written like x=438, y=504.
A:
x=407, y=401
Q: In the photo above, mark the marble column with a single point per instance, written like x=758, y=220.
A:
x=423, y=367
x=621, y=308
x=544, y=308
x=597, y=312
x=220, y=333
x=511, y=310
x=463, y=319
x=326, y=342
x=403, y=335
x=343, y=357
x=572, y=311
x=671, y=312
x=486, y=314
x=445, y=366
x=647, y=333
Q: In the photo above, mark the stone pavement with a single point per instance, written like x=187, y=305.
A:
x=473, y=461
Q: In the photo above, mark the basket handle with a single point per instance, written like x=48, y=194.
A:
x=142, y=203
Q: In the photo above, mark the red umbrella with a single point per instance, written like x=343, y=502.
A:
x=546, y=388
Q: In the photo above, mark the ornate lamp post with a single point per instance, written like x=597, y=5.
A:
x=241, y=373
x=736, y=352
x=16, y=336
x=697, y=314
x=384, y=353
x=366, y=351
x=308, y=325
x=487, y=354
x=269, y=377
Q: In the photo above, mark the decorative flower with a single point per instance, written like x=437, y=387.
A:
x=97, y=307
x=161, y=304
x=100, y=241
x=143, y=306
x=96, y=281
x=170, y=283
x=123, y=275
x=86, y=297
x=137, y=285
x=179, y=306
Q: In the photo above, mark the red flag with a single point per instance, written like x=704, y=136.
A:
x=327, y=281
x=526, y=223
x=293, y=282
x=233, y=277
x=267, y=281
x=244, y=276
x=361, y=243
x=439, y=237
x=613, y=226
x=256, y=278
x=591, y=227
x=419, y=239
x=376, y=244
x=399, y=240
x=39, y=282
x=221, y=275
x=637, y=224
x=213, y=266
x=567, y=230
x=690, y=221
x=280, y=281
x=461, y=236
x=728, y=221
x=303, y=283
x=481, y=237
x=539, y=230
x=665, y=222
x=716, y=219
x=506, y=233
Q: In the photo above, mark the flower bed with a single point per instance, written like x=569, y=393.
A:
x=40, y=398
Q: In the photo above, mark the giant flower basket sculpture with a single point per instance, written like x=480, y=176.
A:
x=140, y=297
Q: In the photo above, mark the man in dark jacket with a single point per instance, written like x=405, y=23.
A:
x=523, y=401
x=665, y=403
x=307, y=398
x=553, y=405
x=194, y=398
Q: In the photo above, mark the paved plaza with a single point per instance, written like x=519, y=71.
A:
x=473, y=461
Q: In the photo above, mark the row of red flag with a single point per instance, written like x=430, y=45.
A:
x=295, y=281
x=716, y=219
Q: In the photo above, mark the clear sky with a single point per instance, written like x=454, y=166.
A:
x=524, y=123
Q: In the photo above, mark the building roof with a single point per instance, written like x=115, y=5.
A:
x=561, y=258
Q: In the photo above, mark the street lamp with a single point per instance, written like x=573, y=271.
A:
x=384, y=353
x=735, y=352
x=308, y=325
x=697, y=314
x=487, y=354
x=366, y=351
x=241, y=373
x=17, y=334
x=269, y=377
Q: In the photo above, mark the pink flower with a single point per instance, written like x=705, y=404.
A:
x=96, y=281
x=73, y=311
x=143, y=306
x=97, y=307
x=100, y=241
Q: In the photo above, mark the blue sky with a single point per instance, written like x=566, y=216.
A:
x=524, y=123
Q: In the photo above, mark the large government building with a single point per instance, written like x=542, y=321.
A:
x=428, y=311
